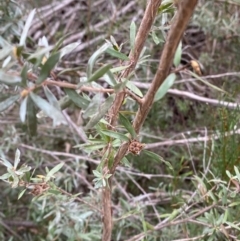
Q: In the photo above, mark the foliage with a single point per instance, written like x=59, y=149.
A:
x=56, y=129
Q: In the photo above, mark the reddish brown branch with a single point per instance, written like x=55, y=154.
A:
x=141, y=37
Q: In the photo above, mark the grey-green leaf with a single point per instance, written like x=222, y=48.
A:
x=94, y=57
x=51, y=98
x=47, y=67
x=9, y=79
x=17, y=159
x=26, y=27
x=21, y=193
x=134, y=88
x=117, y=54
x=115, y=135
x=178, y=55
x=132, y=34
x=77, y=99
x=8, y=102
x=100, y=72
x=54, y=170
x=127, y=124
x=102, y=111
x=31, y=117
x=24, y=75
x=23, y=109
x=166, y=85
x=48, y=109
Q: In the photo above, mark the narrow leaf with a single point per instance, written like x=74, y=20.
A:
x=23, y=109
x=5, y=176
x=178, y=55
x=117, y=54
x=134, y=88
x=48, y=109
x=17, y=159
x=94, y=57
x=102, y=111
x=100, y=72
x=77, y=99
x=68, y=49
x=51, y=97
x=31, y=118
x=8, y=102
x=47, y=67
x=93, y=106
x=21, y=193
x=127, y=124
x=6, y=163
x=115, y=135
x=54, y=170
x=9, y=79
x=132, y=34
x=207, y=83
x=26, y=27
x=166, y=85
x=24, y=75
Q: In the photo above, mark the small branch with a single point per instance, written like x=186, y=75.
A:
x=192, y=96
x=191, y=140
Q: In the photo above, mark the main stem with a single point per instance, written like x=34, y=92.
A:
x=142, y=34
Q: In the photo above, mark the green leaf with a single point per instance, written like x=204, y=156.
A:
x=23, y=109
x=102, y=111
x=153, y=155
x=48, y=109
x=178, y=55
x=9, y=79
x=134, y=88
x=166, y=85
x=8, y=102
x=115, y=135
x=93, y=106
x=110, y=79
x=54, y=170
x=156, y=157
x=51, y=98
x=5, y=176
x=6, y=51
x=132, y=34
x=119, y=68
x=117, y=54
x=6, y=163
x=47, y=67
x=127, y=124
x=93, y=147
x=31, y=117
x=77, y=99
x=120, y=86
x=100, y=72
x=68, y=49
x=21, y=193
x=94, y=57
x=26, y=27
x=17, y=159
x=24, y=75
x=207, y=83
x=97, y=174
x=125, y=162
